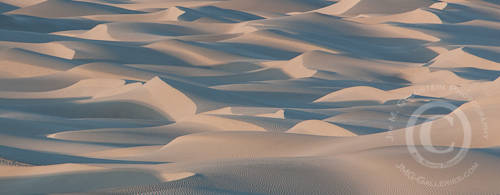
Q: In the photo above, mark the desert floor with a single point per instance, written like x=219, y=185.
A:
x=249, y=96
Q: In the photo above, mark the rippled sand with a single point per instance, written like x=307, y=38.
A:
x=249, y=96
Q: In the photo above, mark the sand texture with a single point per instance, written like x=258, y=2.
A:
x=250, y=97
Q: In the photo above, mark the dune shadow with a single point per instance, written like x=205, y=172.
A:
x=360, y=130
x=46, y=158
x=217, y=13
x=6, y=7
x=476, y=74
x=459, y=34
x=44, y=25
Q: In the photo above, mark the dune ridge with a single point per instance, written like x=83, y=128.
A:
x=249, y=96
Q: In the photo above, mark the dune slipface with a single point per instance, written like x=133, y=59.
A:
x=249, y=97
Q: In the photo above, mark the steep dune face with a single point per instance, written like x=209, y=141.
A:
x=294, y=68
x=249, y=96
x=173, y=101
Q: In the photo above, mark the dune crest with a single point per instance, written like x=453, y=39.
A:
x=173, y=14
x=295, y=68
x=359, y=94
x=339, y=7
x=249, y=97
x=439, y=5
x=411, y=17
x=321, y=128
x=171, y=99
x=176, y=176
x=99, y=32
x=458, y=58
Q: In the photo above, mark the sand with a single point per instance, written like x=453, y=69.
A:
x=249, y=97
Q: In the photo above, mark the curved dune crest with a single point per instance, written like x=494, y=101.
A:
x=149, y=136
x=244, y=28
x=326, y=25
x=338, y=8
x=412, y=17
x=150, y=31
x=243, y=145
x=361, y=93
x=249, y=111
x=172, y=14
x=320, y=128
x=52, y=50
x=295, y=68
x=99, y=32
x=278, y=114
x=111, y=70
x=439, y=5
x=173, y=101
x=449, y=128
x=387, y=6
x=223, y=111
x=155, y=94
x=157, y=16
x=23, y=63
x=57, y=49
x=432, y=77
x=22, y=70
x=118, y=90
x=223, y=123
x=248, y=96
x=82, y=88
x=458, y=58
x=275, y=6
x=176, y=176
x=275, y=39
x=47, y=82
x=193, y=53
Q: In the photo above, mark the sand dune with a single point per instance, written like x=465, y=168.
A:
x=339, y=7
x=415, y=16
x=249, y=96
x=33, y=63
x=65, y=8
x=383, y=7
x=279, y=6
x=21, y=3
x=317, y=127
x=192, y=53
x=294, y=68
x=356, y=94
x=460, y=58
